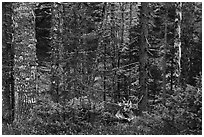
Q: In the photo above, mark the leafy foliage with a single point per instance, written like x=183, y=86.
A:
x=86, y=78
x=183, y=110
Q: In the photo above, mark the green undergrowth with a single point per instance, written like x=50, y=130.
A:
x=144, y=125
x=181, y=115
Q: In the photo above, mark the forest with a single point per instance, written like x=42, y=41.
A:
x=101, y=68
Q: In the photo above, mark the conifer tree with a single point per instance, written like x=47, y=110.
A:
x=177, y=40
x=8, y=98
x=25, y=56
x=143, y=55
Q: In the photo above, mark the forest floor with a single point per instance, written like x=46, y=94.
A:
x=141, y=125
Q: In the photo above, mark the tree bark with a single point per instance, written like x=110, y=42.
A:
x=119, y=81
x=104, y=25
x=114, y=47
x=164, y=58
x=7, y=62
x=177, y=41
x=57, y=50
x=25, y=56
x=143, y=55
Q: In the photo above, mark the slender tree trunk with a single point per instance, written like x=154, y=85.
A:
x=121, y=43
x=25, y=56
x=104, y=74
x=164, y=59
x=130, y=39
x=130, y=15
x=177, y=42
x=113, y=44
x=143, y=55
x=7, y=62
x=57, y=50
x=171, y=76
x=102, y=46
x=104, y=58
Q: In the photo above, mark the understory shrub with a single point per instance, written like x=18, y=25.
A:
x=182, y=114
x=182, y=111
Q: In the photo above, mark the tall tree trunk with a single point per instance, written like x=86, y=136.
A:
x=114, y=48
x=164, y=58
x=57, y=50
x=104, y=74
x=143, y=55
x=102, y=46
x=130, y=15
x=119, y=81
x=130, y=40
x=171, y=72
x=177, y=42
x=25, y=56
x=7, y=62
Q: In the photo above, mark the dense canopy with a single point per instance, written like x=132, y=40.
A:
x=102, y=68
